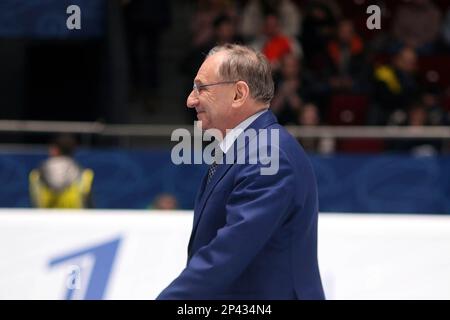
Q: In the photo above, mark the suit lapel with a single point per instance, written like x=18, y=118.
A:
x=201, y=190
x=262, y=121
x=220, y=172
x=200, y=205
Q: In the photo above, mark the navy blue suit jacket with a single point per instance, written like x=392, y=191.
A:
x=255, y=236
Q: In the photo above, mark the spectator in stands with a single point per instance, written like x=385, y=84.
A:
x=224, y=30
x=206, y=12
x=346, y=53
x=446, y=30
x=165, y=201
x=274, y=44
x=308, y=116
x=294, y=85
x=145, y=23
x=255, y=10
x=431, y=101
x=318, y=27
x=395, y=87
x=288, y=100
x=417, y=24
x=446, y=121
x=332, y=6
x=60, y=182
x=417, y=116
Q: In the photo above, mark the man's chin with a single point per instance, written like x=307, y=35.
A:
x=200, y=115
x=202, y=124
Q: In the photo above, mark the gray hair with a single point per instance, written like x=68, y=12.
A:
x=245, y=64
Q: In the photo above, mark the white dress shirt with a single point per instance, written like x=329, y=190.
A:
x=234, y=133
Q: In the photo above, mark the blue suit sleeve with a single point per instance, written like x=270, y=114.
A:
x=257, y=205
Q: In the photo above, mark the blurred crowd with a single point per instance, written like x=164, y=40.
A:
x=330, y=68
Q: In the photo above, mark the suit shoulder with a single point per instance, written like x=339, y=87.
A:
x=287, y=142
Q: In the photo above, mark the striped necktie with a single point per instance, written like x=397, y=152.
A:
x=211, y=171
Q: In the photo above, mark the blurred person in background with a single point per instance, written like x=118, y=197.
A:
x=417, y=24
x=446, y=31
x=165, y=201
x=254, y=12
x=288, y=100
x=395, y=87
x=274, y=44
x=293, y=85
x=203, y=27
x=418, y=116
x=431, y=100
x=60, y=182
x=145, y=22
x=308, y=116
x=318, y=28
x=332, y=6
x=346, y=54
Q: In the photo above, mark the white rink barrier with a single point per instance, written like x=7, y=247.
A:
x=120, y=254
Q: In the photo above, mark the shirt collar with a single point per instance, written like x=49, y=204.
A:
x=234, y=133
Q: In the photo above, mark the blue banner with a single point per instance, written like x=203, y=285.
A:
x=347, y=183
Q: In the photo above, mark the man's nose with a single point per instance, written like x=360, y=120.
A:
x=192, y=100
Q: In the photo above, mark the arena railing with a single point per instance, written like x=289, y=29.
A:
x=162, y=131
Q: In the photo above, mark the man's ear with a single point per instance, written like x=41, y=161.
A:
x=241, y=94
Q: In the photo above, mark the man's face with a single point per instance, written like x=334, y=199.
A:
x=212, y=103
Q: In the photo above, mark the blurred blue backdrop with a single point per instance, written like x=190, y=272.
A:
x=347, y=183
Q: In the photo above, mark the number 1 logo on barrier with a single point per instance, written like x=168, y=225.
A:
x=89, y=270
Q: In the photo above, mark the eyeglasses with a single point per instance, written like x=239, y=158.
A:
x=196, y=88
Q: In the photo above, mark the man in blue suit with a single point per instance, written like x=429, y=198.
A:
x=254, y=234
